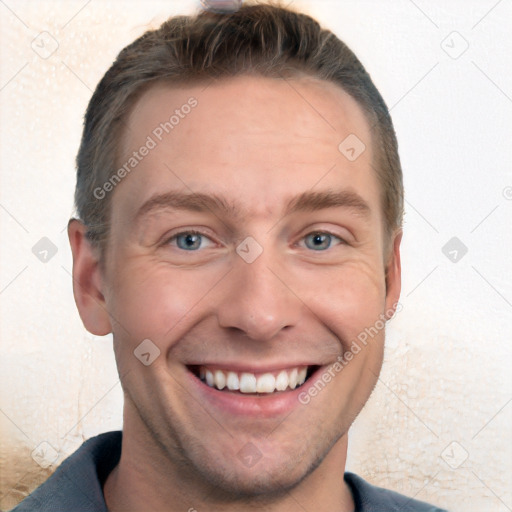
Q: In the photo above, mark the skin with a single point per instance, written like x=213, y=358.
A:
x=257, y=143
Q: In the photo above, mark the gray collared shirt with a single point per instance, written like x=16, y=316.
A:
x=77, y=484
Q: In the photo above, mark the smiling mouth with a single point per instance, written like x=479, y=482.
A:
x=264, y=383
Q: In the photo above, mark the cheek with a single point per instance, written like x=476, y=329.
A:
x=351, y=300
x=150, y=300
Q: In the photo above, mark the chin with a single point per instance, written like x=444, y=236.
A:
x=266, y=480
x=260, y=483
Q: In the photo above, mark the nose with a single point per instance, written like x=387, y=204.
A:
x=257, y=299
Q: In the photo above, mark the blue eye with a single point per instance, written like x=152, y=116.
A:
x=318, y=241
x=189, y=240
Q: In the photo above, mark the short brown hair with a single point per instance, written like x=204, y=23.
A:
x=263, y=39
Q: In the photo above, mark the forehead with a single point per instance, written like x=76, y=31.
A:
x=257, y=140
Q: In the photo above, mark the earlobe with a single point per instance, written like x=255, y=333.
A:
x=88, y=281
x=393, y=276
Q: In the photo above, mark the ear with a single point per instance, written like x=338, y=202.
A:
x=88, y=281
x=393, y=275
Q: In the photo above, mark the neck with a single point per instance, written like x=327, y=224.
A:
x=146, y=479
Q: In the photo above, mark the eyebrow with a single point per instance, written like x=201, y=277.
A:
x=312, y=201
x=305, y=202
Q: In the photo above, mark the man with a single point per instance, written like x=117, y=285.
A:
x=240, y=199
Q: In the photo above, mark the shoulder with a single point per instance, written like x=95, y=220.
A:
x=369, y=498
x=77, y=483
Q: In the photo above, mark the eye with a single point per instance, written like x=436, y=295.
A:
x=190, y=241
x=320, y=241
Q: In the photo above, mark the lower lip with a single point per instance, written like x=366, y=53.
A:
x=261, y=406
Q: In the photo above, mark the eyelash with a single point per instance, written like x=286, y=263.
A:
x=167, y=241
x=200, y=233
x=329, y=233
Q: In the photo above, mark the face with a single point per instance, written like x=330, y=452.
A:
x=250, y=251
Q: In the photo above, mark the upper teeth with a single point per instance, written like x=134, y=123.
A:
x=246, y=382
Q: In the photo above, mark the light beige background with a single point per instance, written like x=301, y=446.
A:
x=438, y=426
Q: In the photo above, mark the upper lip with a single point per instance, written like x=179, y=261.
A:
x=252, y=368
